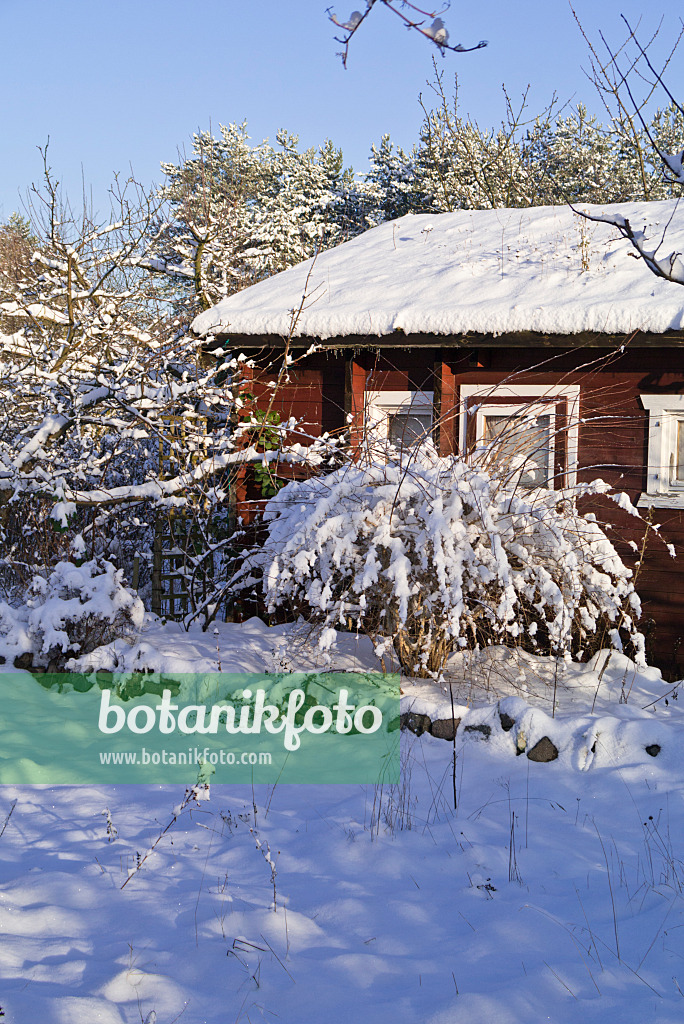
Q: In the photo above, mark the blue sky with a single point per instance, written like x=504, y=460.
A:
x=124, y=84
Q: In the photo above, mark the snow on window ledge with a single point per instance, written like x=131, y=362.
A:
x=660, y=501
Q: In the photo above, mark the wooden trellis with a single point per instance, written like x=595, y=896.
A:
x=175, y=535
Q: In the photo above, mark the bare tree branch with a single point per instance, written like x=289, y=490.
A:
x=627, y=67
x=415, y=20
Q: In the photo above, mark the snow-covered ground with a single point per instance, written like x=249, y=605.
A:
x=554, y=891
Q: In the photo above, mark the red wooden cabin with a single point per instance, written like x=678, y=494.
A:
x=460, y=324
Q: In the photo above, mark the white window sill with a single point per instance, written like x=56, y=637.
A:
x=674, y=499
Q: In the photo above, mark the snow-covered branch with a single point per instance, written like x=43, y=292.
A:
x=414, y=18
x=669, y=267
x=627, y=82
x=439, y=554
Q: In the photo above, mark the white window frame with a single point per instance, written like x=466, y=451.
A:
x=665, y=412
x=524, y=397
x=380, y=405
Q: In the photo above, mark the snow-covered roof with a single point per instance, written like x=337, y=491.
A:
x=544, y=269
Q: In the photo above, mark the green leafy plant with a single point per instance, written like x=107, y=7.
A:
x=267, y=438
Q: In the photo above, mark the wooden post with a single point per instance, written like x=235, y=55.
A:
x=354, y=396
x=239, y=477
x=446, y=410
x=157, y=567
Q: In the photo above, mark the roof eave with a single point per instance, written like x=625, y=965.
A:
x=398, y=339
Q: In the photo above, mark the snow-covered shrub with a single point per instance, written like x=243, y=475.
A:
x=29, y=542
x=75, y=610
x=435, y=555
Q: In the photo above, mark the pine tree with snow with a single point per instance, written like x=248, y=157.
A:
x=303, y=211
x=573, y=159
x=390, y=188
x=462, y=167
x=239, y=212
x=206, y=245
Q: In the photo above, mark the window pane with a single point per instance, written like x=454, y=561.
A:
x=407, y=428
x=522, y=438
x=678, y=474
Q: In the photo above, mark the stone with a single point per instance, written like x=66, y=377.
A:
x=24, y=661
x=653, y=749
x=543, y=751
x=507, y=722
x=445, y=728
x=416, y=723
x=485, y=730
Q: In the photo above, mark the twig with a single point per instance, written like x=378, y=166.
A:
x=7, y=818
